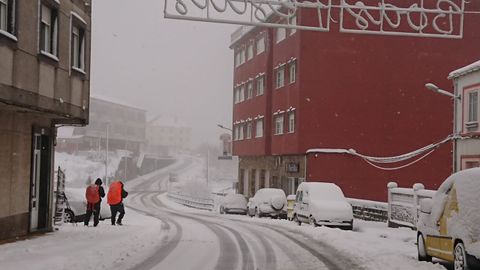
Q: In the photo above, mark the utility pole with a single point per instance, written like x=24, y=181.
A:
x=208, y=160
x=106, y=154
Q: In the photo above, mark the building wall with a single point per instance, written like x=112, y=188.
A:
x=15, y=167
x=367, y=92
x=29, y=79
x=467, y=149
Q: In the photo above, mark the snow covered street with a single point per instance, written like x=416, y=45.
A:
x=160, y=234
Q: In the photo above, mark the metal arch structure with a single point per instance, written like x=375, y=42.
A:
x=437, y=19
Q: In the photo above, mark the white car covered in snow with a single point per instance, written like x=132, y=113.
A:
x=77, y=206
x=233, y=204
x=268, y=202
x=449, y=224
x=320, y=203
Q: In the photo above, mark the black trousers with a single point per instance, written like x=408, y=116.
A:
x=117, y=208
x=95, y=209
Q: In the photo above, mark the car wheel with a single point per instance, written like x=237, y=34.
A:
x=296, y=220
x=68, y=216
x=422, y=250
x=460, y=257
x=311, y=221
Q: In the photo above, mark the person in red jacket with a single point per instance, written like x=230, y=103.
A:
x=115, y=197
x=94, y=201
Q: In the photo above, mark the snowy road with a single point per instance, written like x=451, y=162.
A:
x=209, y=241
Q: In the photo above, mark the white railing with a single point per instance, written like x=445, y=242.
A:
x=198, y=203
x=369, y=210
x=404, y=204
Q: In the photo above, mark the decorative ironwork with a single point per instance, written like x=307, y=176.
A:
x=421, y=18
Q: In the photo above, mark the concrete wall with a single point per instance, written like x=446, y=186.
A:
x=15, y=170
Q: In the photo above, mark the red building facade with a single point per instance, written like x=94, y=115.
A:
x=343, y=91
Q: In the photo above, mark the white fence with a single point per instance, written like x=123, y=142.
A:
x=404, y=204
x=198, y=203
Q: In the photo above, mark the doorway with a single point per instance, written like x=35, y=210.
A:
x=40, y=180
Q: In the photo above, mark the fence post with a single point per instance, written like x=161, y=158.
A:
x=390, y=186
x=416, y=187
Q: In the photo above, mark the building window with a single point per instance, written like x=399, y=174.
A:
x=49, y=30
x=259, y=128
x=260, y=45
x=236, y=96
x=280, y=34
x=260, y=85
x=293, y=22
x=241, y=94
x=240, y=132
x=7, y=16
x=473, y=106
x=279, y=125
x=291, y=122
x=250, y=51
x=293, y=71
x=249, y=130
x=237, y=59
x=242, y=56
x=250, y=90
x=78, y=47
x=280, y=80
x=235, y=135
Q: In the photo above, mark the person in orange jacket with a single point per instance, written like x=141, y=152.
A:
x=115, y=197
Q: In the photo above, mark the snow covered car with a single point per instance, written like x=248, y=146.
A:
x=449, y=224
x=268, y=202
x=320, y=203
x=77, y=207
x=234, y=204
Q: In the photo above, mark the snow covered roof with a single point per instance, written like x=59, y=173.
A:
x=166, y=121
x=115, y=101
x=464, y=70
x=67, y=133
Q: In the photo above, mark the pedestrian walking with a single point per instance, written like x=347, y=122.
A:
x=94, y=194
x=115, y=197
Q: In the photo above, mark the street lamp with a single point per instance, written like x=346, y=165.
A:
x=223, y=127
x=436, y=89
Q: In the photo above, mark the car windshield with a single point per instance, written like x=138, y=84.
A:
x=235, y=198
x=328, y=192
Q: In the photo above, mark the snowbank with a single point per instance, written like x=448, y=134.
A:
x=78, y=247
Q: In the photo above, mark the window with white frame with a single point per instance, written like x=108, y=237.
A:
x=260, y=85
x=249, y=90
x=293, y=21
x=240, y=132
x=78, y=45
x=250, y=51
x=237, y=59
x=473, y=106
x=7, y=16
x=280, y=78
x=293, y=71
x=236, y=97
x=49, y=30
x=280, y=34
x=279, y=124
x=242, y=56
x=249, y=130
x=235, y=133
x=259, y=128
x=291, y=122
x=260, y=45
x=241, y=94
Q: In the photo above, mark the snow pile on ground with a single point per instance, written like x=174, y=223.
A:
x=78, y=247
x=79, y=169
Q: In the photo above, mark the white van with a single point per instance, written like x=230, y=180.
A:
x=320, y=203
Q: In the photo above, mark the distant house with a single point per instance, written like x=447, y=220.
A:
x=44, y=83
x=467, y=87
x=168, y=133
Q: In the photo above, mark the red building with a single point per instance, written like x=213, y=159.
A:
x=298, y=90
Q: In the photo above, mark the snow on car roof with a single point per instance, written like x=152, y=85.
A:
x=323, y=190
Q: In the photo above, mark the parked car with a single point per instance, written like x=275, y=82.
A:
x=77, y=207
x=234, y=204
x=268, y=202
x=449, y=224
x=320, y=203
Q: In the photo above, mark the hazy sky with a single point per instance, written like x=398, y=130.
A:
x=168, y=67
